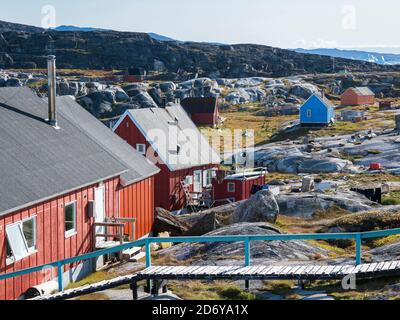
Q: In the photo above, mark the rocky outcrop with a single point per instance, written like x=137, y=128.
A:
x=307, y=204
x=222, y=215
x=261, y=207
x=261, y=251
x=108, y=50
x=164, y=221
x=205, y=225
x=295, y=159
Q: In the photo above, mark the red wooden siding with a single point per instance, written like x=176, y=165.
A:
x=209, y=119
x=128, y=131
x=167, y=188
x=351, y=98
x=242, y=188
x=51, y=243
x=137, y=201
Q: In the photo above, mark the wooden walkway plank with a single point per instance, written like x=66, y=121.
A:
x=372, y=267
x=393, y=265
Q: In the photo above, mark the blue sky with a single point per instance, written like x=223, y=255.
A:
x=359, y=24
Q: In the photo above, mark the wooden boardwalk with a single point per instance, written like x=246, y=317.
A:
x=292, y=272
x=284, y=272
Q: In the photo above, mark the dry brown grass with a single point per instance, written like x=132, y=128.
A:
x=207, y=290
x=370, y=221
x=94, y=297
x=264, y=127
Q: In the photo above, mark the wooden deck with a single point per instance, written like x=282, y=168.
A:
x=284, y=272
x=292, y=272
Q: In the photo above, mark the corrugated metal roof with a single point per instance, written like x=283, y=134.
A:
x=194, y=148
x=363, y=91
x=38, y=162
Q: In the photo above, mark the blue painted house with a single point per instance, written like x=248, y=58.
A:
x=317, y=111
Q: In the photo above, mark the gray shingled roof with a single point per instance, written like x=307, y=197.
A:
x=160, y=119
x=38, y=162
x=138, y=166
x=363, y=91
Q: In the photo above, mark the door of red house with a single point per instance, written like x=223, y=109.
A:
x=99, y=211
x=198, y=181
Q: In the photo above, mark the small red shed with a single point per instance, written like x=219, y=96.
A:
x=357, y=96
x=236, y=187
x=170, y=139
x=58, y=179
x=202, y=111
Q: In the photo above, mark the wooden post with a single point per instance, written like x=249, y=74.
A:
x=134, y=288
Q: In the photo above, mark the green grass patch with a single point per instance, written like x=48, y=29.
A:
x=334, y=251
x=279, y=287
x=379, y=242
x=235, y=293
x=368, y=221
x=392, y=198
x=94, y=296
x=374, y=152
x=91, y=279
x=209, y=290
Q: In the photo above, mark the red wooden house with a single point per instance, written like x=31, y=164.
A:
x=59, y=176
x=171, y=140
x=236, y=187
x=357, y=96
x=202, y=111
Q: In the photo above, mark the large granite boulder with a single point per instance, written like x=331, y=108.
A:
x=144, y=100
x=261, y=207
x=303, y=90
x=262, y=252
x=307, y=204
x=164, y=221
x=205, y=225
x=323, y=165
x=222, y=215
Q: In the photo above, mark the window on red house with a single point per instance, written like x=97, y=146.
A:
x=231, y=187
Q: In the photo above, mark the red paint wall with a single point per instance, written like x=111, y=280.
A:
x=137, y=201
x=52, y=245
x=168, y=191
x=209, y=119
x=242, y=188
x=350, y=98
x=167, y=184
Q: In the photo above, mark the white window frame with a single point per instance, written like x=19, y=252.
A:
x=71, y=232
x=208, y=176
x=9, y=258
x=189, y=180
x=29, y=250
x=309, y=113
x=143, y=146
x=33, y=248
x=229, y=187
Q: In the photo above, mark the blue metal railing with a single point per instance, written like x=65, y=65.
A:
x=247, y=239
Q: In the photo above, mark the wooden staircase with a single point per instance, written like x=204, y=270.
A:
x=191, y=202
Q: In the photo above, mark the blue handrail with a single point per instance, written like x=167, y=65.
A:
x=247, y=239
